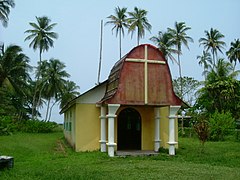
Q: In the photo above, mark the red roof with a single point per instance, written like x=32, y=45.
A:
x=142, y=77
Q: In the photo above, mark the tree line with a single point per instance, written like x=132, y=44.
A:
x=214, y=99
x=218, y=92
x=22, y=96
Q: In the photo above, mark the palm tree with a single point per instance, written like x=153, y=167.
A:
x=206, y=61
x=42, y=38
x=53, y=80
x=213, y=42
x=234, y=52
x=179, y=37
x=221, y=90
x=5, y=6
x=138, y=20
x=69, y=93
x=41, y=35
x=14, y=67
x=14, y=82
x=222, y=71
x=119, y=21
x=164, y=43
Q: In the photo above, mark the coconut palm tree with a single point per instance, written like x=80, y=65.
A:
x=14, y=67
x=138, y=21
x=41, y=35
x=206, y=61
x=69, y=93
x=221, y=71
x=179, y=37
x=213, y=41
x=53, y=80
x=5, y=6
x=165, y=45
x=14, y=82
x=119, y=22
x=221, y=90
x=42, y=38
x=234, y=52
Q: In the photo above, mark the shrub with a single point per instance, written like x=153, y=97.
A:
x=7, y=125
x=201, y=127
x=163, y=150
x=36, y=126
x=220, y=125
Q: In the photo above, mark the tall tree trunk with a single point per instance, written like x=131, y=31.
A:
x=38, y=102
x=50, y=113
x=214, y=63
x=120, y=43
x=205, y=76
x=48, y=104
x=100, y=56
x=34, y=102
x=234, y=66
x=180, y=74
x=138, y=38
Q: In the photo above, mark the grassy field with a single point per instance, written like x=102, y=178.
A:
x=45, y=156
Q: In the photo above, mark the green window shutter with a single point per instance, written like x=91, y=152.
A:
x=70, y=126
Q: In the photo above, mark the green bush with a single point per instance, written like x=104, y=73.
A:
x=36, y=126
x=163, y=150
x=220, y=125
x=7, y=126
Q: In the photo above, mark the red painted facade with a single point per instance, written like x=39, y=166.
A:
x=126, y=82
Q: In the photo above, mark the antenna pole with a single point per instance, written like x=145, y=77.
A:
x=100, y=57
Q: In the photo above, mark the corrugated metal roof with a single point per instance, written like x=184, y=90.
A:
x=113, y=79
x=126, y=82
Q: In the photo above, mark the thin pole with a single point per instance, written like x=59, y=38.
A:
x=100, y=58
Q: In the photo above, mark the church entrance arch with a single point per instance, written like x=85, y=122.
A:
x=129, y=130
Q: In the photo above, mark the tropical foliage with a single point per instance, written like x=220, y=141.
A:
x=170, y=43
x=15, y=81
x=201, y=127
x=213, y=41
x=165, y=45
x=190, y=87
x=206, y=61
x=217, y=101
x=138, y=22
x=16, y=86
x=119, y=21
x=53, y=80
x=179, y=36
x=221, y=90
x=42, y=38
x=9, y=126
x=220, y=125
x=18, y=89
x=5, y=6
x=234, y=52
x=41, y=35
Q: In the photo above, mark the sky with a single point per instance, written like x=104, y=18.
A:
x=78, y=27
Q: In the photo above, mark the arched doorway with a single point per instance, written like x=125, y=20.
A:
x=129, y=130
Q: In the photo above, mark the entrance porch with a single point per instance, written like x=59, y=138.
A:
x=138, y=128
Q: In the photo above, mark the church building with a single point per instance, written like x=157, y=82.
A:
x=134, y=109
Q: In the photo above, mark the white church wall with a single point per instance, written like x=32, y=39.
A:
x=93, y=95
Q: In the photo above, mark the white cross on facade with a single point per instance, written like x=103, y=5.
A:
x=145, y=61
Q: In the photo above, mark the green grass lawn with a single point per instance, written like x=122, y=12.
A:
x=45, y=156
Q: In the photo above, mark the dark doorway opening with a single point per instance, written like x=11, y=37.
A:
x=129, y=130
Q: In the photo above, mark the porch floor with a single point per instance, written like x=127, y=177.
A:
x=136, y=153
